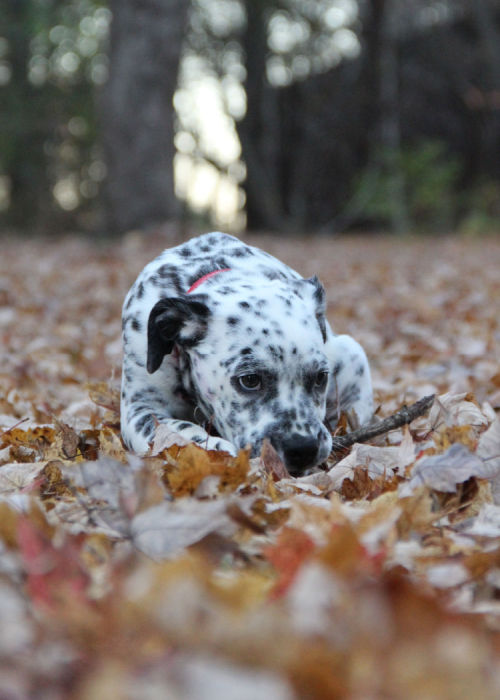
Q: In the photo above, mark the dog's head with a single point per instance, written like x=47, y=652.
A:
x=257, y=366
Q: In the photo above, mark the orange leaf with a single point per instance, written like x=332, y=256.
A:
x=291, y=550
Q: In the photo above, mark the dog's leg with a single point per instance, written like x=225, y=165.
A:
x=143, y=407
x=350, y=386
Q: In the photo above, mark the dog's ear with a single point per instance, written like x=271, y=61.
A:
x=319, y=299
x=174, y=320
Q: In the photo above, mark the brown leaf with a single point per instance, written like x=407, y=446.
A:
x=359, y=486
x=343, y=552
x=110, y=445
x=36, y=439
x=8, y=525
x=69, y=440
x=186, y=467
x=291, y=550
x=417, y=514
x=54, y=486
x=272, y=462
x=239, y=516
x=362, y=486
x=102, y=394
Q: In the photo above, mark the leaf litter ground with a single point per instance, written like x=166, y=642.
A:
x=189, y=574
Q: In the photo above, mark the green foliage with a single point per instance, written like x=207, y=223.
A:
x=423, y=179
x=483, y=209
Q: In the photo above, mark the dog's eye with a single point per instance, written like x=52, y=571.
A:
x=321, y=379
x=250, y=382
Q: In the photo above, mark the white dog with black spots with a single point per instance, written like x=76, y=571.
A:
x=228, y=346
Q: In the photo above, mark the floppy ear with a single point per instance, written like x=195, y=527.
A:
x=174, y=320
x=319, y=297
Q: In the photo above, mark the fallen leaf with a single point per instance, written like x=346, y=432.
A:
x=102, y=394
x=456, y=409
x=488, y=448
x=292, y=549
x=272, y=462
x=186, y=468
x=444, y=471
x=377, y=461
x=168, y=528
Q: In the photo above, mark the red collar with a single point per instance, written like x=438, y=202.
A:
x=205, y=277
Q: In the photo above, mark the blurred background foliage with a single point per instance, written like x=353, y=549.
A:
x=288, y=115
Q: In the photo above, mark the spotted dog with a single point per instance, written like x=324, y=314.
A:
x=227, y=346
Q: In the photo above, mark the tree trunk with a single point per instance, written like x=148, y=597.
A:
x=259, y=130
x=484, y=15
x=137, y=111
x=390, y=126
x=373, y=18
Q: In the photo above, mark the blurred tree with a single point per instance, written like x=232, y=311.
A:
x=301, y=151
x=24, y=180
x=50, y=60
x=323, y=107
x=352, y=88
x=259, y=130
x=137, y=111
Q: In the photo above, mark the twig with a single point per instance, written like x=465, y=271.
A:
x=12, y=427
x=402, y=417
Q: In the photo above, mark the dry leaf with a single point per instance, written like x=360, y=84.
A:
x=456, y=409
x=187, y=467
x=272, y=462
x=166, y=529
x=443, y=472
x=488, y=449
x=268, y=585
x=377, y=461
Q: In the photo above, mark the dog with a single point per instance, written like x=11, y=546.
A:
x=229, y=346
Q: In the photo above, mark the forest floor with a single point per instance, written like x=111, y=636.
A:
x=197, y=575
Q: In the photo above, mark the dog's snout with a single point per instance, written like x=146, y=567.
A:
x=300, y=452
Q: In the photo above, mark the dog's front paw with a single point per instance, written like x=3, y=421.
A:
x=181, y=433
x=218, y=444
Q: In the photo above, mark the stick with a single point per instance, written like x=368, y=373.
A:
x=402, y=417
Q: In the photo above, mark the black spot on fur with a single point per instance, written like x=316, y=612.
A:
x=136, y=326
x=148, y=429
x=349, y=394
x=337, y=368
x=176, y=281
x=142, y=422
x=240, y=252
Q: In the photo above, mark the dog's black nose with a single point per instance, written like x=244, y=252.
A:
x=299, y=452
